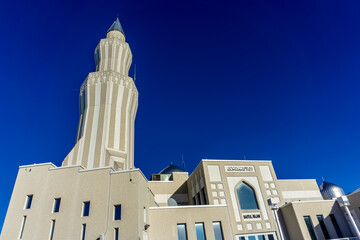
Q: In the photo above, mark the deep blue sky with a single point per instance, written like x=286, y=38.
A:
x=276, y=80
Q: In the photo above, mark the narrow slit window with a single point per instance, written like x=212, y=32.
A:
x=22, y=227
x=117, y=212
x=52, y=228
x=29, y=199
x=310, y=227
x=83, y=231
x=336, y=226
x=323, y=227
x=181, y=229
x=116, y=234
x=203, y=196
x=200, y=231
x=194, y=201
x=218, y=231
x=198, y=199
x=57, y=202
x=86, y=209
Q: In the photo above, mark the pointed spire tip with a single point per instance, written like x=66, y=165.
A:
x=116, y=26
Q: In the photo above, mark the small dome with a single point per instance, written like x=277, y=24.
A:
x=170, y=169
x=330, y=190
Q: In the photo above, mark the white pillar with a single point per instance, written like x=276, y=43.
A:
x=278, y=224
x=352, y=222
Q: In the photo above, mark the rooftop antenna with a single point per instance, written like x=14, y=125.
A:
x=183, y=162
x=135, y=72
x=323, y=179
x=244, y=157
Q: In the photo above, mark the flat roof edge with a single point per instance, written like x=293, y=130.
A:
x=131, y=170
x=38, y=165
x=308, y=201
x=307, y=179
x=232, y=160
x=62, y=167
x=186, y=206
x=94, y=169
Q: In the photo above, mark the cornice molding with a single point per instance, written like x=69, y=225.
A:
x=109, y=76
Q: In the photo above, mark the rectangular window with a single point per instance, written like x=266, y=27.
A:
x=203, y=196
x=198, y=198
x=181, y=229
x=57, y=205
x=116, y=234
x=52, y=230
x=28, y=201
x=193, y=200
x=310, y=227
x=242, y=238
x=200, y=231
x=218, y=231
x=336, y=226
x=86, y=209
x=22, y=227
x=271, y=237
x=83, y=231
x=251, y=238
x=117, y=212
x=323, y=227
x=261, y=237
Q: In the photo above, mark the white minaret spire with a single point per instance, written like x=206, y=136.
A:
x=108, y=102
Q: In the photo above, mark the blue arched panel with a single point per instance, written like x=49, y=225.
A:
x=247, y=197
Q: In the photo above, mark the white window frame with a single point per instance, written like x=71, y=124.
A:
x=256, y=236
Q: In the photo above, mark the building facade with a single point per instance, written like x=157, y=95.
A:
x=97, y=193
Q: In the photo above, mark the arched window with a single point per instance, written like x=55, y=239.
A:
x=247, y=198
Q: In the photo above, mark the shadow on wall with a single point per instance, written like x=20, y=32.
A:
x=282, y=222
x=332, y=226
x=181, y=195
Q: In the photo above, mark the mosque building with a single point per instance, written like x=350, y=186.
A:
x=98, y=193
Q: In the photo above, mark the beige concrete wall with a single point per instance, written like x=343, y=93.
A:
x=221, y=180
x=164, y=221
x=290, y=224
x=299, y=189
x=102, y=187
x=195, y=183
x=176, y=189
x=354, y=199
x=293, y=214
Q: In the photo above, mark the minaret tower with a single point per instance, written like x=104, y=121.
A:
x=108, y=102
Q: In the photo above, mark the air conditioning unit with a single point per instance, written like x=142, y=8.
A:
x=273, y=202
